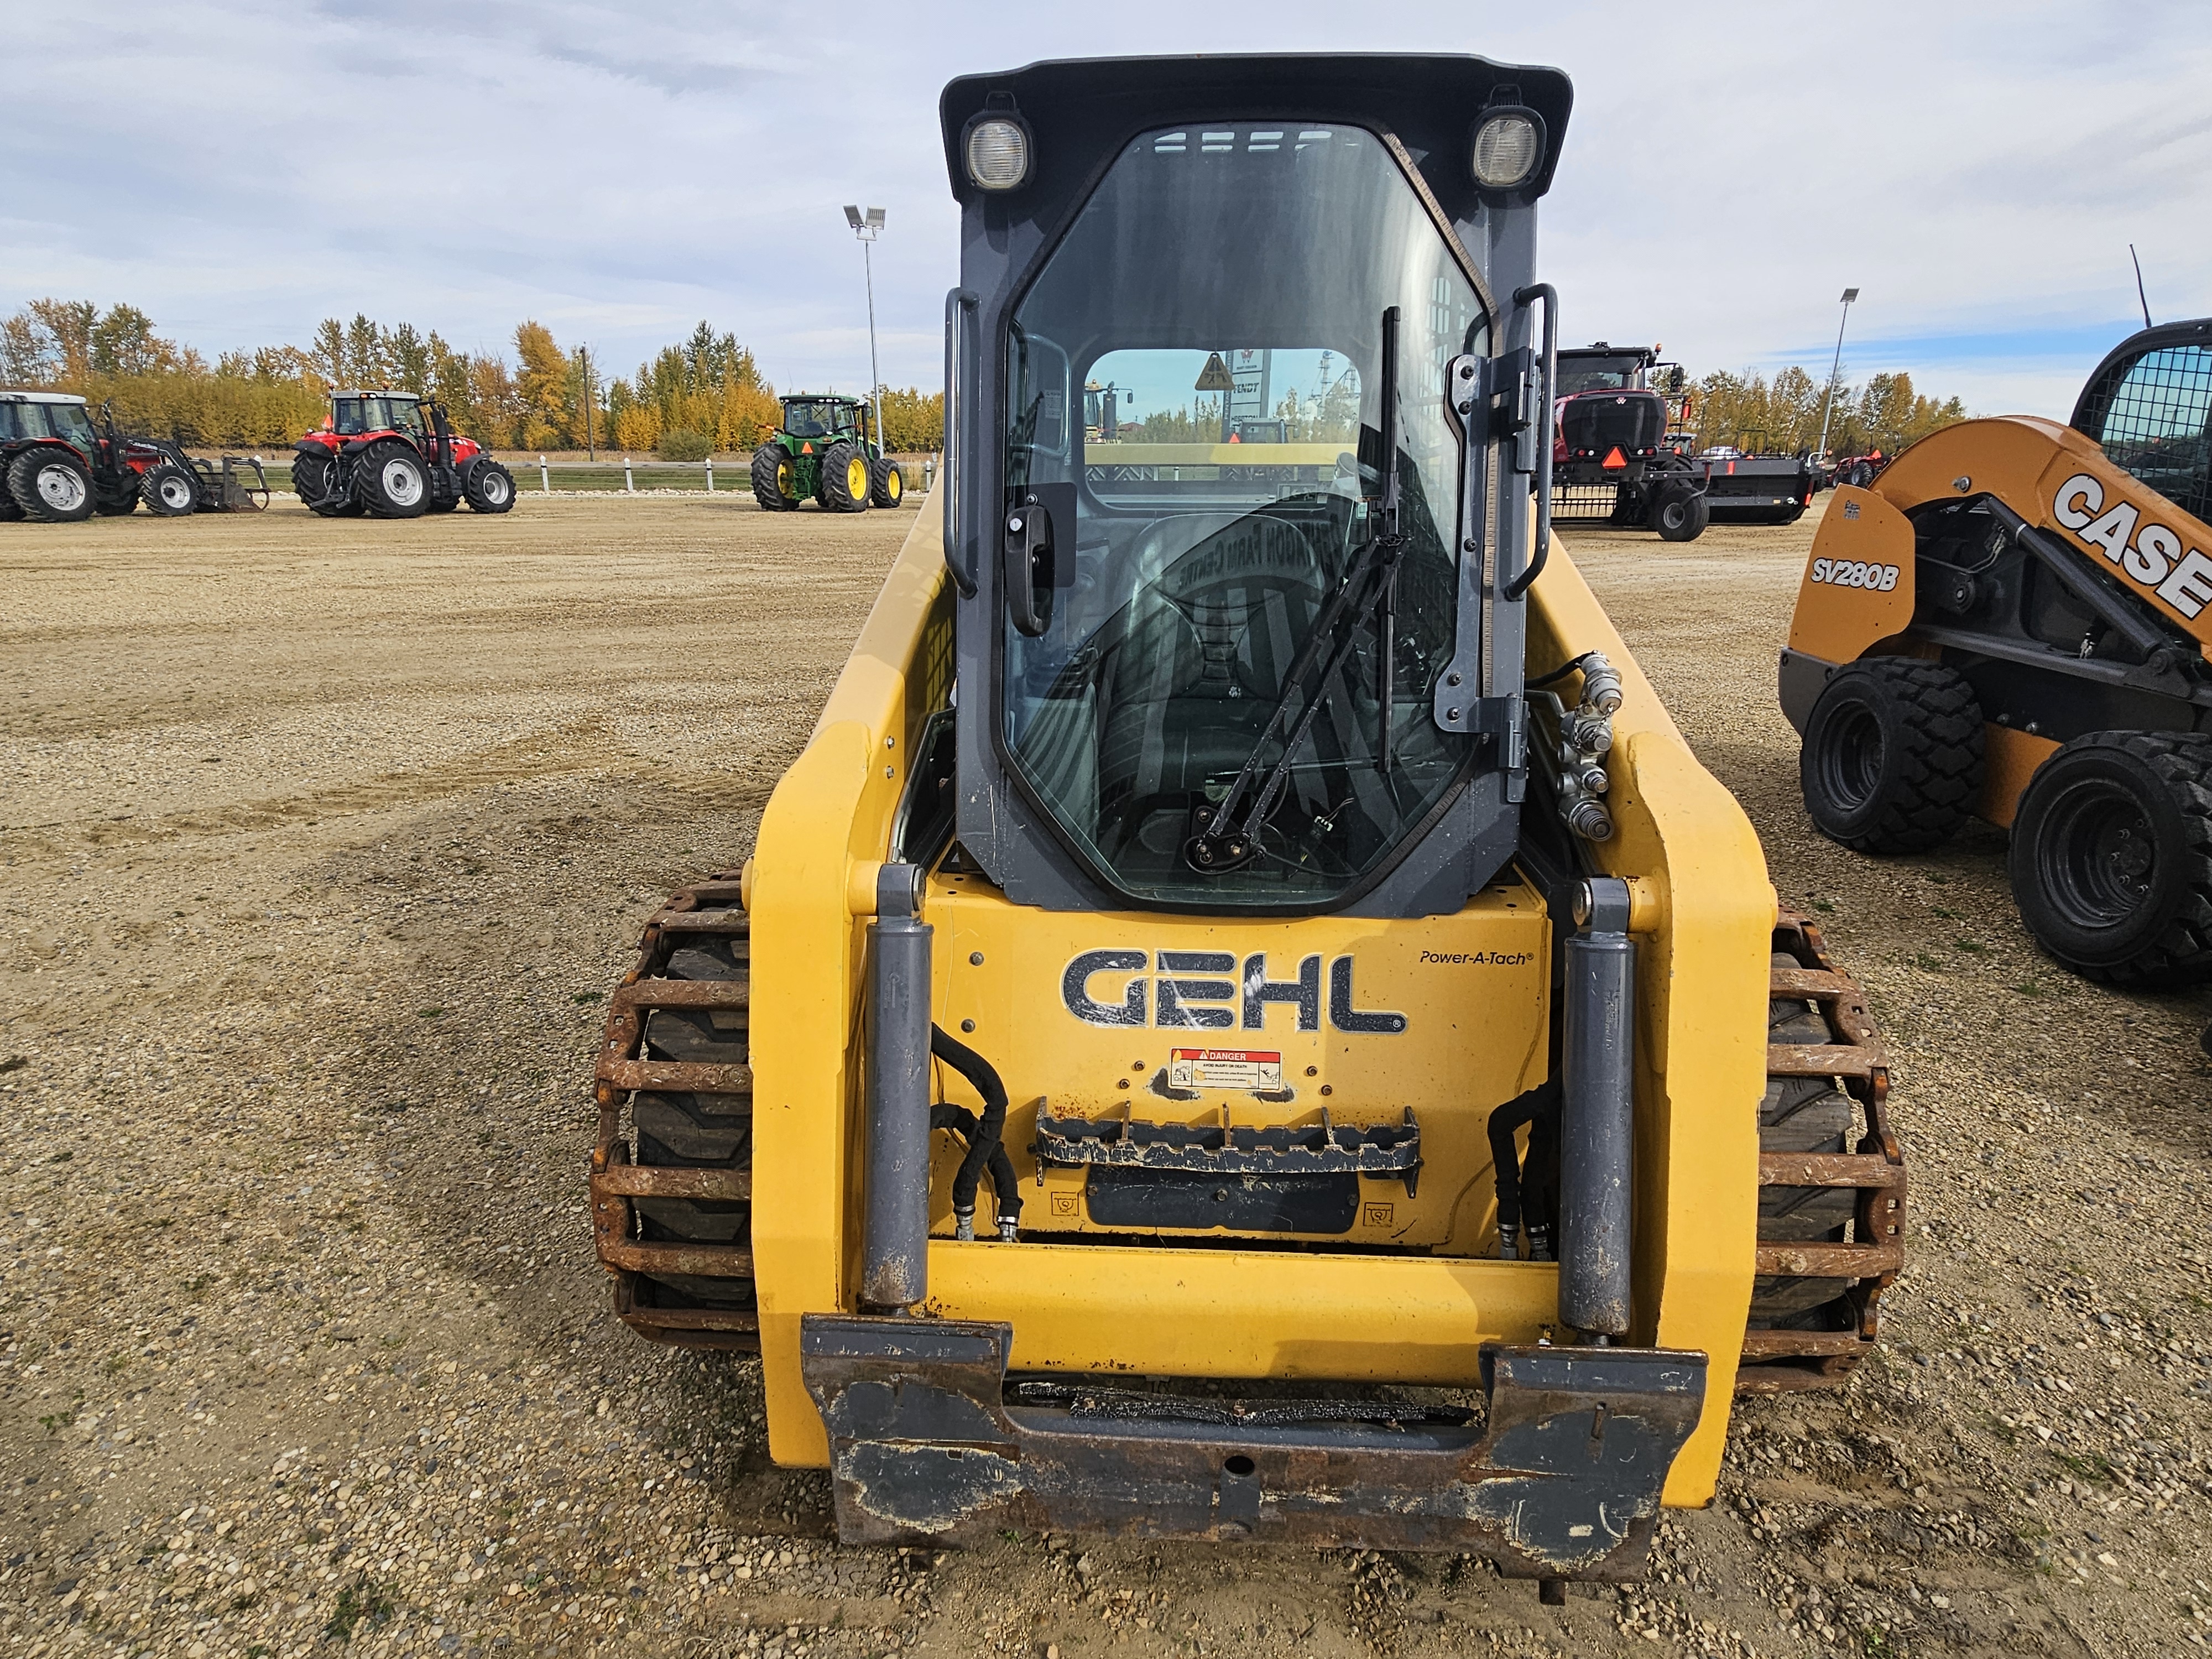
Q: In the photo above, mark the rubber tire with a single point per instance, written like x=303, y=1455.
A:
x=318, y=469
x=770, y=461
x=369, y=483
x=696, y=1130
x=24, y=473
x=2163, y=782
x=837, y=465
x=1925, y=726
x=886, y=483
x=159, y=482
x=1679, y=515
x=116, y=507
x=1800, y=1115
x=488, y=487
x=9, y=512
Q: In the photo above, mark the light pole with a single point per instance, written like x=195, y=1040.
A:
x=867, y=228
x=1836, y=369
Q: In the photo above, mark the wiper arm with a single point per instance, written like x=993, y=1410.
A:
x=1392, y=541
x=1224, y=844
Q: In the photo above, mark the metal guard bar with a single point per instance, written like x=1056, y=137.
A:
x=1561, y=1479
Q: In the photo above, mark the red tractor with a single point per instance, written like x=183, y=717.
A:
x=58, y=466
x=391, y=455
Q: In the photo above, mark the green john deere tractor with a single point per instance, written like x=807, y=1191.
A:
x=826, y=450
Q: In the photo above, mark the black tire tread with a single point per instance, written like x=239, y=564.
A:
x=24, y=485
x=1800, y=1115
x=149, y=490
x=368, y=483
x=768, y=459
x=835, y=495
x=472, y=486
x=1939, y=773
x=881, y=471
x=2181, y=954
x=693, y=1130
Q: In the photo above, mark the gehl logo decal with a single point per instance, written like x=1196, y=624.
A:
x=1178, y=995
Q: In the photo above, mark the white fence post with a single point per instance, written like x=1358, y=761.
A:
x=629, y=486
x=544, y=477
x=710, y=475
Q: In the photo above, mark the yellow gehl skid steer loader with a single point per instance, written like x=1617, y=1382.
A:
x=1256, y=863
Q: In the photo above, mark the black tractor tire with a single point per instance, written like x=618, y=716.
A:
x=311, y=482
x=695, y=1130
x=1800, y=1115
x=487, y=486
x=1892, y=756
x=393, y=482
x=50, y=485
x=845, y=478
x=1681, y=515
x=120, y=503
x=2111, y=856
x=886, y=483
x=9, y=512
x=775, y=478
x=169, y=491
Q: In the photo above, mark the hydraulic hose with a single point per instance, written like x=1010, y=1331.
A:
x=984, y=1147
x=963, y=1122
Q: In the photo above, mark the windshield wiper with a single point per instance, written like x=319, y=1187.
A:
x=1224, y=844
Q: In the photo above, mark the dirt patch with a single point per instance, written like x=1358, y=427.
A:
x=322, y=843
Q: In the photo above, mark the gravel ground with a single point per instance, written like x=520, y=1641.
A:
x=322, y=843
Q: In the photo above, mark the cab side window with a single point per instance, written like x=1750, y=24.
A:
x=2153, y=417
x=349, y=422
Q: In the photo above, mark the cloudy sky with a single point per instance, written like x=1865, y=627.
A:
x=242, y=170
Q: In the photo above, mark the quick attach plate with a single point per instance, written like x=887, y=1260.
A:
x=1560, y=1480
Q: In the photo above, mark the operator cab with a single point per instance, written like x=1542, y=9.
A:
x=27, y=416
x=2149, y=405
x=818, y=417
x=353, y=414
x=1233, y=563
x=1601, y=367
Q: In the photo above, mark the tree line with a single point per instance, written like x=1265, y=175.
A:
x=703, y=395
x=1783, y=415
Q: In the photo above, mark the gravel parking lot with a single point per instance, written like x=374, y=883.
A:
x=320, y=844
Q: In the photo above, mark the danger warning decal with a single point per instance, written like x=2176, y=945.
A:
x=1224, y=1068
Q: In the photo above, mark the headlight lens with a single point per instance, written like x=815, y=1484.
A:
x=998, y=154
x=1507, y=148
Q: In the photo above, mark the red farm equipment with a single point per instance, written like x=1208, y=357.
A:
x=393, y=455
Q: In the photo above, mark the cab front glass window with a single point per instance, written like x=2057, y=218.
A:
x=1598, y=375
x=72, y=425
x=1229, y=284
x=2157, y=421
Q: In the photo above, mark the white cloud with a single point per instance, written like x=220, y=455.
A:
x=243, y=171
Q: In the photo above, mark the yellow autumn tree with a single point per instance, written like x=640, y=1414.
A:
x=543, y=386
